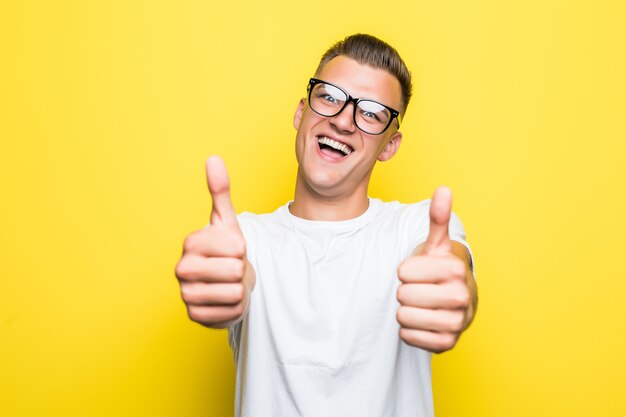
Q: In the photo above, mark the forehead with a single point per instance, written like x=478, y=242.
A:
x=363, y=81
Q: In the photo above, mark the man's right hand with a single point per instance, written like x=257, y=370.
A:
x=215, y=276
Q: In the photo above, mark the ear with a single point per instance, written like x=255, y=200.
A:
x=297, y=117
x=391, y=147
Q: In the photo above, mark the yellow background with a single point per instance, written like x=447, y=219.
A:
x=109, y=109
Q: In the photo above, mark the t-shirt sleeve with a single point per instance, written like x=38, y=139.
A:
x=457, y=233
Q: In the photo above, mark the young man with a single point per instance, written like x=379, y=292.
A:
x=335, y=301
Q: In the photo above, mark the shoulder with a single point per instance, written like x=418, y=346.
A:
x=406, y=222
x=417, y=214
x=412, y=221
x=262, y=218
x=405, y=214
x=255, y=226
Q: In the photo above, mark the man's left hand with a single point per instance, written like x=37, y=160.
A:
x=436, y=303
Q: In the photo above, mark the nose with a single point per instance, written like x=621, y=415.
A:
x=344, y=121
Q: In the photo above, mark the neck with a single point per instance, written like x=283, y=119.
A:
x=311, y=204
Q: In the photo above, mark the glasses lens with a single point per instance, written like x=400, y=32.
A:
x=326, y=99
x=372, y=117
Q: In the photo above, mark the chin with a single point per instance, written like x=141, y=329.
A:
x=319, y=180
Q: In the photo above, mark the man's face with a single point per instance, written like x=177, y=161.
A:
x=329, y=172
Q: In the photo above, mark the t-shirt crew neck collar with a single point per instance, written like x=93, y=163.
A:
x=355, y=223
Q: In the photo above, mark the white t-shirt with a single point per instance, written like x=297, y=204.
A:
x=320, y=337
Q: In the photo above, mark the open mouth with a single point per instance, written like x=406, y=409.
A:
x=333, y=148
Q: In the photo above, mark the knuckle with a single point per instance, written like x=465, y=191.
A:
x=403, y=269
x=195, y=314
x=238, y=268
x=458, y=269
x=189, y=295
x=400, y=270
x=238, y=245
x=401, y=315
x=445, y=342
x=239, y=309
x=455, y=324
x=413, y=339
x=407, y=266
x=401, y=294
x=238, y=293
x=184, y=293
x=182, y=270
x=404, y=335
x=190, y=242
x=240, y=248
x=450, y=341
x=461, y=298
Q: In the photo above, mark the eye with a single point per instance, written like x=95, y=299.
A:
x=329, y=98
x=370, y=115
x=372, y=111
x=332, y=94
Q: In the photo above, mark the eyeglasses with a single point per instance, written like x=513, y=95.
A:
x=370, y=116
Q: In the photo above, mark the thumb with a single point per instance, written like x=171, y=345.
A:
x=223, y=212
x=438, y=241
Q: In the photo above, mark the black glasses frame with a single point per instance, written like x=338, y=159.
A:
x=395, y=114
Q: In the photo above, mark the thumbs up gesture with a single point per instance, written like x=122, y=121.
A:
x=215, y=277
x=436, y=301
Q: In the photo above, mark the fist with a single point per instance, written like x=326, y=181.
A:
x=214, y=274
x=434, y=296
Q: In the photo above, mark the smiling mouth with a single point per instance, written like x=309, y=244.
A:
x=333, y=148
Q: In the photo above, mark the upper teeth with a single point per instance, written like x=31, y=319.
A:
x=335, y=145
